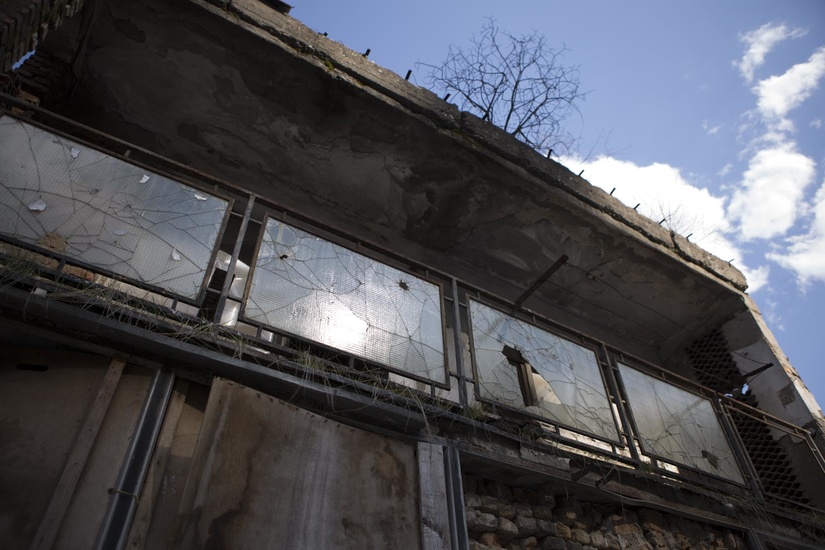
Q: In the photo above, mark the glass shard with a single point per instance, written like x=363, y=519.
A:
x=105, y=211
x=565, y=382
x=312, y=288
x=678, y=426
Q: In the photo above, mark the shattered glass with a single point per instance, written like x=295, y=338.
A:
x=312, y=288
x=568, y=385
x=678, y=426
x=98, y=209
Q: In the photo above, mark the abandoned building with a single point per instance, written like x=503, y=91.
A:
x=258, y=292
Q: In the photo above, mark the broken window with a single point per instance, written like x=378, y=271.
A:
x=525, y=367
x=98, y=209
x=678, y=426
x=312, y=288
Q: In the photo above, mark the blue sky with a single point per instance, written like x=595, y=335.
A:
x=709, y=113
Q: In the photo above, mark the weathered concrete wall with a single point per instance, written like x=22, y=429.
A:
x=500, y=516
x=266, y=474
x=41, y=413
x=49, y=400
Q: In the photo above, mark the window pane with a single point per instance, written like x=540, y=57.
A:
x=103, y=211
x=312, y=288
x=677, y=425
x=569, y=389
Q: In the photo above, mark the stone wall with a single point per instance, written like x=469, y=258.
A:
x=499, y=516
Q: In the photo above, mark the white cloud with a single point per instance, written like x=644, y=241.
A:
x=815, y=123
x=662, y=192
x=780, y=94
x=711, y=130
x=759, y=43
x=806, y=253
x=726, y=169
x=768, y=201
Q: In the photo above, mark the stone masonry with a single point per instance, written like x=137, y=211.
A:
x=499, y=516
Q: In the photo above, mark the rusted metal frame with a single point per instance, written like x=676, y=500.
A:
x=655, y=456
x=556, y=434
x=63, y=260
x=455, y=497
x=176, y=170
x=592, y=345
x=458, y=345
x=312, y=395
x=59, y=504
x=71, y=128
x=236, y=250
x=113, y=309
x=541, y=280
x=125, y=495
x=765, y=418
x=778, y=424
x=438, y=281
x=609, y=372
x=708, y=393
x=218, y=189
x=740, y=451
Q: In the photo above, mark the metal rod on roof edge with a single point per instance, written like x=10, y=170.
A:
x=367, y=53
x=409, y=73
x=611, y=192
x=541, y=280
x=637, y=206
x=582, y=172
x=446, y=97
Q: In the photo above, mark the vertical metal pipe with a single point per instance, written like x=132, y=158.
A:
x=459, y=347
x=455, y=495
x=126, y=493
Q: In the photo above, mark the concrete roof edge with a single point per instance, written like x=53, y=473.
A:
x=443, y=115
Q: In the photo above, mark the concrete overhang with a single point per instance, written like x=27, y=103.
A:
x=251, y=96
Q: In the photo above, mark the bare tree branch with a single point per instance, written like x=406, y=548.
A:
x=517, y=83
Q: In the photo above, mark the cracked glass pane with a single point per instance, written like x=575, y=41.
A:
x=678, y=426
x=312, y=288
x=565, y=382
x=98, y=209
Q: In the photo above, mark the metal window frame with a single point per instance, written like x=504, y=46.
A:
x=585, y=342
x=694, y=389
x=352, y=246
x=195, y=184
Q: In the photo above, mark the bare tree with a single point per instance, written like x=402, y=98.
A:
x=517, y=83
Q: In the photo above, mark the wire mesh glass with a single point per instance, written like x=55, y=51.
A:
x=678, y=426
x=566, y=378
x=69, y=198
x=315, y=289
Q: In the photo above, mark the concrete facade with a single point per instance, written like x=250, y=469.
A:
x=571, y=374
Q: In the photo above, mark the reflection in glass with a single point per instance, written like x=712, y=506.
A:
x=678, y=426
x=98, y=209
x=523, y=366
x=312, y=288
